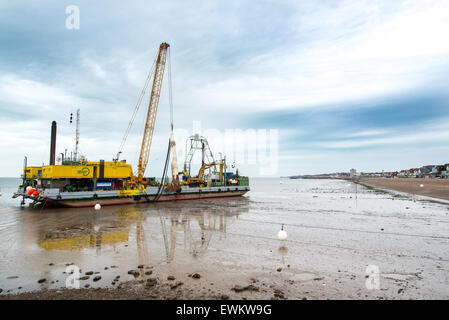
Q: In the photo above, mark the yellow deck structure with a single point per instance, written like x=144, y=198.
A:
x=87, y=170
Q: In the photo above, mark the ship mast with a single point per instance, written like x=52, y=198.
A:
x=77, y=137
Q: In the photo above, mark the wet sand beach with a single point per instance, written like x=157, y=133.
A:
x=435, y=188
x=338, y=233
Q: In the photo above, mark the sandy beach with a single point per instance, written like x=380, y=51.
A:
x=435, y=188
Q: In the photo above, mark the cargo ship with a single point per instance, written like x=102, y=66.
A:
x=76, y=182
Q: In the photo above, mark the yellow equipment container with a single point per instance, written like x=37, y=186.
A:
x=32, y=172
x=89, y=170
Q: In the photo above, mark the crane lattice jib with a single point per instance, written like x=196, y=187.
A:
x=152, y=110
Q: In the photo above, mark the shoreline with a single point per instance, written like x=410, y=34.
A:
x=433, y=188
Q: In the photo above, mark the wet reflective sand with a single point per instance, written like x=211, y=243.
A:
x=336, y=229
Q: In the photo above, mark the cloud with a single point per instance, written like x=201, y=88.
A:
x=428, y=134
x=232, y=63
x=32, y=94
x=402, y=52
x=94, y=68
x=366, y=133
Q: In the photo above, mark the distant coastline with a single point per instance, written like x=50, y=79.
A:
x=429, y=187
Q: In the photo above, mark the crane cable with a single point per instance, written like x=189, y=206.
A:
x=139, y=101
x=164, y=177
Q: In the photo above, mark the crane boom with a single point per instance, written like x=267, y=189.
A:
x=152, y=111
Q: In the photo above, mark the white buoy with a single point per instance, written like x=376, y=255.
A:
x=282, y=234
x=97, y=206
x=421, y=185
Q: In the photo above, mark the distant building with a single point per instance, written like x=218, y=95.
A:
x=445, y=171
x=352, y=173
x=428, y=169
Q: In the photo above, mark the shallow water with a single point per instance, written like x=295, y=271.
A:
x=335, y=230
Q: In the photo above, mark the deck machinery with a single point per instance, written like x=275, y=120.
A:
x=76, y=182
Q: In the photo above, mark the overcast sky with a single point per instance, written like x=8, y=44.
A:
x=346, y=84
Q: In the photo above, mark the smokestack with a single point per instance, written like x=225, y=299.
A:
x=53, y=143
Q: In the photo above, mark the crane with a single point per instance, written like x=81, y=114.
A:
x=152, y=111
x=198, y=181
x=158, y=69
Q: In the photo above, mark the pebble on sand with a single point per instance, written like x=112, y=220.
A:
x=252, y=288
x=196, y=276
x=278, y=293
x=238, y=288
x=171, y=278
x=41, y=280
x=135, y=273
x=175, y=285
x=97, y=278
x=151, y=282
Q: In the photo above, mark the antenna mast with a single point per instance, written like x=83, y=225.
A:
x=77, y=133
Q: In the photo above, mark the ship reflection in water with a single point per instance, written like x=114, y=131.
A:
x=163, y=231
